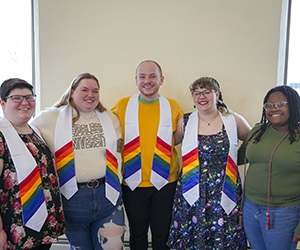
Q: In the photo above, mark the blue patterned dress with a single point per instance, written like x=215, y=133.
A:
x=205, y=225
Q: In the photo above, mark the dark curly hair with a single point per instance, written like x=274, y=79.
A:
x=293, y=100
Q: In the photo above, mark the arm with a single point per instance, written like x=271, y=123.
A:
x=297, y=234
x=3, y=236
x=178, y=134
x=243, y=126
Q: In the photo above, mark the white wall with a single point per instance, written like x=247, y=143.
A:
x=236, y=42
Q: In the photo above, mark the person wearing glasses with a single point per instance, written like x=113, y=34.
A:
x=30, y=205
x=86, y=139
x=208, y=193
x=271, y=209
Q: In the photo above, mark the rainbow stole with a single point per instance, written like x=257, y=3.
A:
x=190, y=160
x=31, y=194
x=132, y=162
x=34, y=210
x=65, y=167
x=163, y=148
x=112, y=171
x=65, y=155
x=229, y=195
x=112, y=182
x=162, y=158
x=229, y=187
x=132, y=151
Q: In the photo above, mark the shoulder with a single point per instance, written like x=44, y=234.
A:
x=120, y=105
x=243, y=126
x=122, y=101
x=173, y=102
x=48, y=115
x=175, y=107
x=240, y=120
x=49, y=111
x=111, y=115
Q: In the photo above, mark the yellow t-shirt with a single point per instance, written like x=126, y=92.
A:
x=148, y=126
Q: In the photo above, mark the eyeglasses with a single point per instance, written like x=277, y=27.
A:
x=204, y=93
x=20, y=98
x=278, y=105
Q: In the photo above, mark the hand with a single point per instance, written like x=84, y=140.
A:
x=3, y=240
x=296, y=238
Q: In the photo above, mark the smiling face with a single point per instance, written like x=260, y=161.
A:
x=149, y=79
x=205, y=99
x=18, y=113
x=86, y=95
x=278, y=117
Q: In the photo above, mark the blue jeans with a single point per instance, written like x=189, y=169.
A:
x=284, y=221
x=92, y=221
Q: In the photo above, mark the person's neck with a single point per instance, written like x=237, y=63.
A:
x=208, y=117
x=145, y=99
x=283, y=128
x=22, y=128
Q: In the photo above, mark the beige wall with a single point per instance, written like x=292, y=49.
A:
x=236, y=42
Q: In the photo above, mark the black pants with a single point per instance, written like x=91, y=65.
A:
x=149, y=207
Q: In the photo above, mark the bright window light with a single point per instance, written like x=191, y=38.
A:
x=15, y=40
x=293, y=72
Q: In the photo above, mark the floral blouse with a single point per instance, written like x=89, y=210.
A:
x=18, y=235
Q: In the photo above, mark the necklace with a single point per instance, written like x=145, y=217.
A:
x=208, y=123
x=268, y=214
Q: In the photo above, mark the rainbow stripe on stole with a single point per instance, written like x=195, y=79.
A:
x=112, y=182
x=34, y=210
x=132, y=163
x=31, y=194
x=65, y=163
x=190, y=170
x=228, y=198
x=190, y=161
x=229, y=195
x=161, y=162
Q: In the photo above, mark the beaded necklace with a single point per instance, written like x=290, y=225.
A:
x=268, y=214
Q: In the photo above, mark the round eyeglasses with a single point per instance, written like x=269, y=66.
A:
x=204, y=93
x=278, y=105
x=20, y=98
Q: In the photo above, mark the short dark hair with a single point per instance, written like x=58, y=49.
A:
x=13, y=83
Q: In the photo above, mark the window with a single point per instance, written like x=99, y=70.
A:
x=16, y=40
x=293, y=72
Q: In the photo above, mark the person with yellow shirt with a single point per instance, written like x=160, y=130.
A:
x=151, y=125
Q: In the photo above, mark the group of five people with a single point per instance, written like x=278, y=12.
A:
x=77, y=148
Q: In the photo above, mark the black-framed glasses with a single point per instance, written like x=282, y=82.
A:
x=204, y=93
x=278, y=105
x=20, y=98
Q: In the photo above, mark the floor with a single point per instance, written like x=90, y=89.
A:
x=64, y=245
